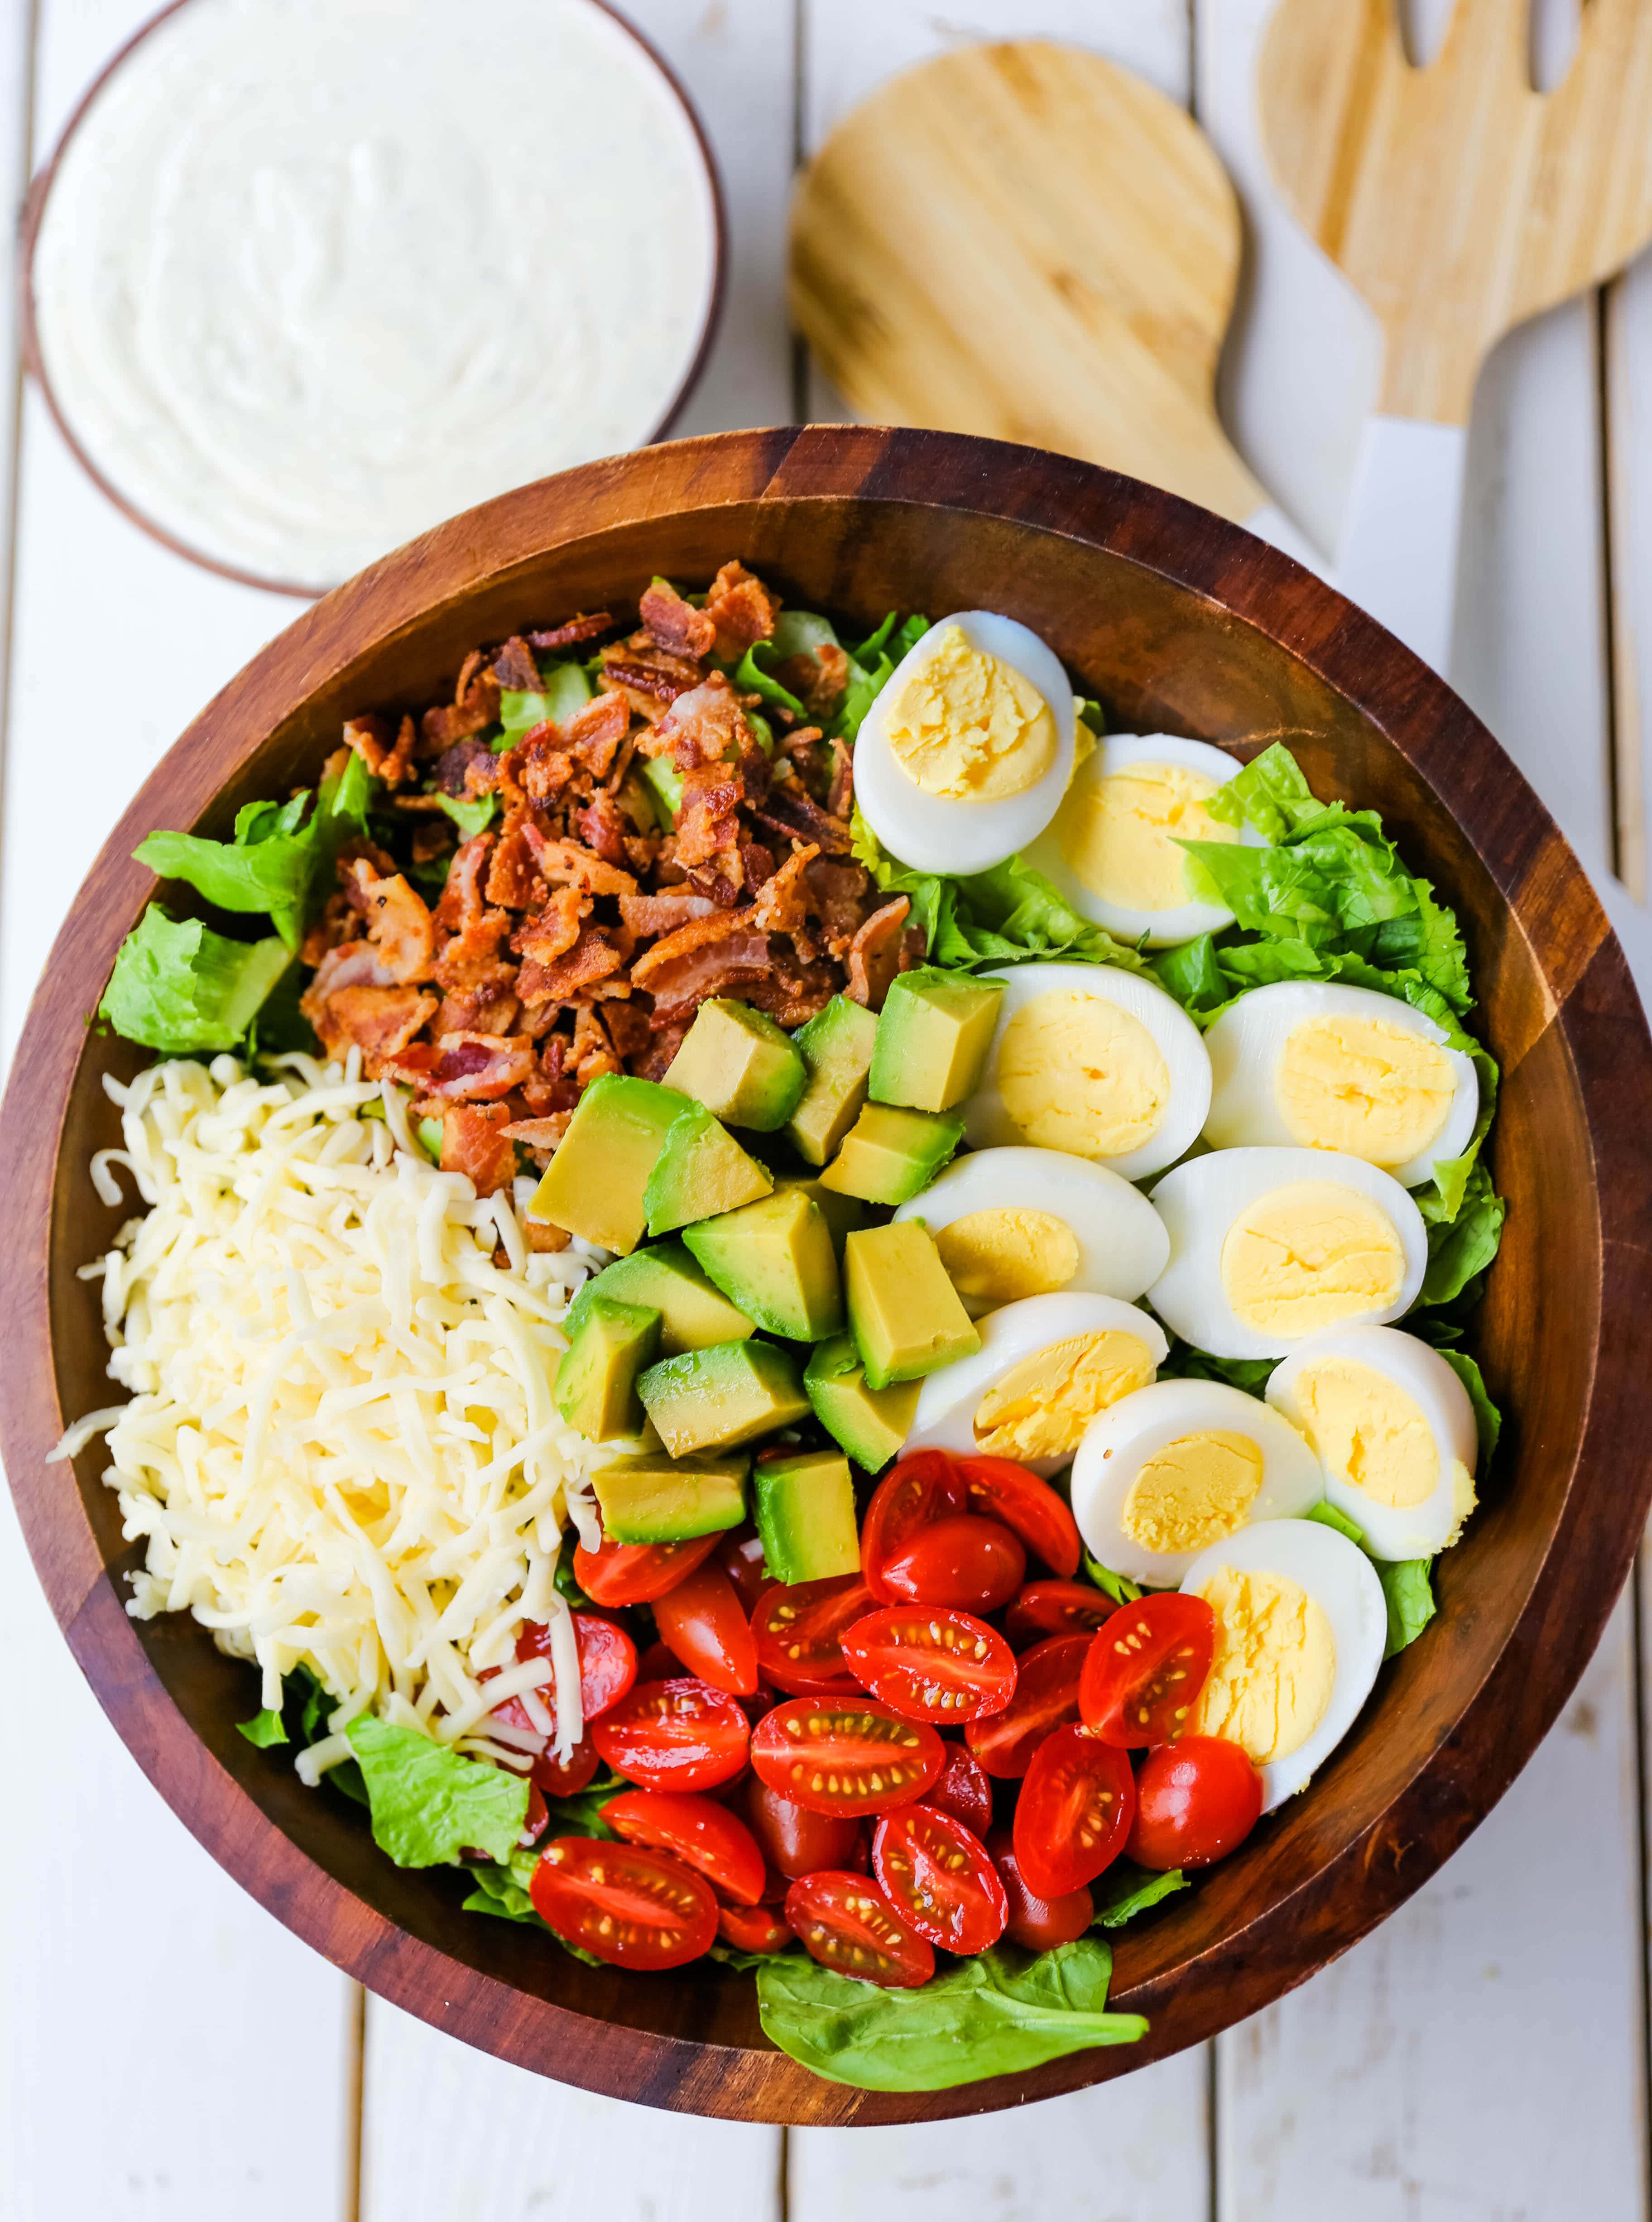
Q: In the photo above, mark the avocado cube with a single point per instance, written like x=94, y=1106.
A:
x=700, y=1170
x=596, y=1377
x=713, y=1400
x=775, y=1260
x=934, y=1033
x=836, y=1047
x=804, y=1504
x=740, y=1066
x=595, y=1184
x=904, y=1312
x=665, y=1279
x=655, y=1499
x=842, y=1213
x=889, y=1154
x=871, y=1424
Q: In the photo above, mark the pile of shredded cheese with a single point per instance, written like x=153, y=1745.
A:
x=341, y=1444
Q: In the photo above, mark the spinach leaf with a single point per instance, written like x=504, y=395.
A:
x=1126, y=1890
x=430, y=1803
x=1406, y=1586
x=180, y=988
x=1488, y=1421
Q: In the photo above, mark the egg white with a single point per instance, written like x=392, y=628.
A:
x=1122, y=1244
x=989, y=1125
x=1248, y=1041
x=1199, y=1202
x=950, y=1397
x=1119, y=1442
x=1393, y=1531
x=934, y=832
x=1343, y=1583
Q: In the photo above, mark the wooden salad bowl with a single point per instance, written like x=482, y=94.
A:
x=1177, y=621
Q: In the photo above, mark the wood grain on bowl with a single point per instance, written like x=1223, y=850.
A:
x=1178, y=622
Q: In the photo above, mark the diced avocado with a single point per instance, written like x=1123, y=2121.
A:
x=934, y=1033
x=775, y=1260
x=804, y=1504
x=595, y=1186
x=700, y=1170
x=714, y=1399
x=842, y=1213
x=904, y=1313
x=871, y=1424
x=596, y=1378
x=653, y=1499
x=889, y=1155
x=836, y=1047
x=693, y=1314
x=740, y=1066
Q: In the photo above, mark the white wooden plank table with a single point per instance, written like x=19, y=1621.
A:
x=166, y=2049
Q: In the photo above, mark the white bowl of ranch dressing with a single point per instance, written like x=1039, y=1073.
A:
x=309, y=276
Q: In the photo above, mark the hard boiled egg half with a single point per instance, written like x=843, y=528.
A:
x=1334, y=1068
x=1046, y=1368
x=1019, y=1222
x=1394, y=1430
x=966, y=754
x=1093, y=1061
x=1269, y=1246
x=1176, y=1468
x=1113, y=852
x=1301, y=1627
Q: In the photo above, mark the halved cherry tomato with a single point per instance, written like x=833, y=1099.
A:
x=753, y=1928
x=549, y=1774
x=637, y=1574
x=844, y=1754
x=973, y=1566
x=963, y=1791
x=1197, y=1801
x=938, y=1877
x=1074, y=1811
x=847, y=1922
x=703, y=1621
x=1146, y=1669
x=797, y=1840
x=607, y=1659
x=700, y=1832
x=1046, y=1694
x=920, y=1490
x=798, y=1630
x=1029, y=1508
x=634, y=1908
x=681, y=1735
x=740, y=1553
x=931, y=1663
x=1057, y=1609
x=658, y=1663
x=1038, y=1924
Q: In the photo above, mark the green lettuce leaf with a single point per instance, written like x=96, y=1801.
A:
x=801, y=632
x=1462, y=1247
x=1409, y=1593
x=1321, y=887
x=1119, y=1587
x=732, y=1956
x=875, y=643
x=1088, y=712
x=264, y=1728
x=180, y=988
x=470, y=813
x=1185, y=1363
x=563, y=688
x=1488, y=1421
x=430, y=1803
x=1328, y=1516
x=751, y=677
x=863, y=688
x=1126, y=1890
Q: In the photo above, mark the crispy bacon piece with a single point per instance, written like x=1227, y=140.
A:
x=741, y=609
x=514, y=666
x=782, y=901
x=592, y=1052
x=630, y=1028
x=592, y=957
x=789, y=808
x=876, y=954
x=490, y=1008
x=595, y=731
x=369, y=738
x=646, y=676
x=818, y=677
x=647, y=915
x=553, y=930
x=576, y=630
x=698, y=934
x=540, y=762
x=837, y=897
x=512, y=877
x=566, y=862
x=378, y=1021
x=466, y=1067
x=351, y=964
x=468, y=768
x=707, y=821
x=399, y=920
x=733, y=967
x=476, y=1142
x=677, y=624
x=539, y=1133
x=441, y=727
x=840, y=802
x=603, y=829
x=700, y=727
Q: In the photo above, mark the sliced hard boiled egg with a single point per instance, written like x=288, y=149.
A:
x=1334, y=1068
x=1046, y=1368
x=1393, y=1429
x=1094, y=1061
x=1112, y=850
x=1301, y=1627
x=1269, y=1246
x=1178, y=1466
x=966, y=754
x=1011, y=1223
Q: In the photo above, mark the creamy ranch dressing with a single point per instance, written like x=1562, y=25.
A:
x=314, y=274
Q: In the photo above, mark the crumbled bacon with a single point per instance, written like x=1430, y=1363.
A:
x=466, y=1067
x=594, y=731
x=378, y=1021
x=551, y=932
x=702, y=727
x=514, y=666
x=840, y=802
x=570, y=635
x=398, y=921
x=647, y=915
x=876, y=954
x=648, y=675
x=818, y=677
x=566, y=861
x=601, y=827
x=674, y=624
x=781, y=906
x=741, y=609
x=792, y=810
x=592, y=957
x=706, y=822
x=474, y=1141
x=369, y=738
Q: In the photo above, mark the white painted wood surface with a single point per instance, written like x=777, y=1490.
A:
x=167, y=2051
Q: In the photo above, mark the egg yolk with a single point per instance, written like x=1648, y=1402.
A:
x=998, y=1256
x=1360, y=1085
x=1040, y=1408
x=1193, y=1492
x=968, y=726
x=1118, y=834
x=1368, y=1432
x=1308, y=1255
x=1077, y=1073
x=1275, y=1664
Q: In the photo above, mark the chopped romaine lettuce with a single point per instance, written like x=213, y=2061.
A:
x=564, y=687
x=180, y=988
x=430, y=1803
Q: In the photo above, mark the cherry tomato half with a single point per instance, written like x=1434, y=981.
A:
x=739, y=1553
x=844, y=1754
x=798, y=1631
x=938, y=1877
x=931, y=1663
x=1197, y=1801
x=702, y=1620
x=607, y=1659
x=681, y=1735
x=1146, y=1669
x=1038, y=1924
x=1046, y=1694
x=549, y=1774
x=658, y=1663
x=913, y=1494
x=1029, y=1508
x=701, y=1833
x=633, y=1907
x=753, y=1928
x=847, y=1922
x=963, y=1791
x=1057, y=1609
x=970, y=1565
x=637, y=1574
x=1074, y=1811
x=796, y=1840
